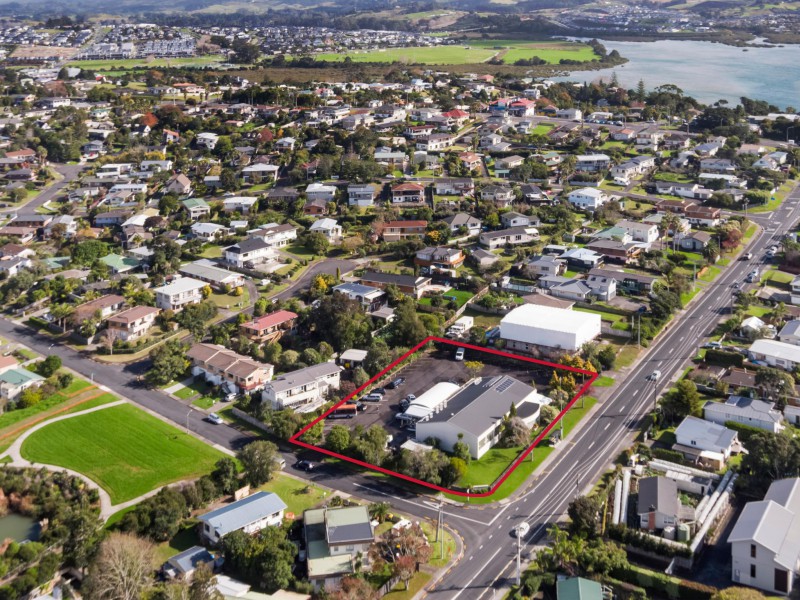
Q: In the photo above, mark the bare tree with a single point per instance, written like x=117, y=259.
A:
x=123, y=569
x=109, y=337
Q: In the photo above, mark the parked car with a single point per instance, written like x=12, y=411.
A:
x=215, y=419
x=714, y=345
x=379, y=390
x=304, y=465
x=373, y=398
x=396, y=383
x=460, y=353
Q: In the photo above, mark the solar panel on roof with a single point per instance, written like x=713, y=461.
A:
x=505, y=385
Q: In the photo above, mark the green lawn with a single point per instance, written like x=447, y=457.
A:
x=627, y=355
x=211, y=251
x=229, y=300
x=603, y=381
x=204, y=402
x=775, y=199
x=414, y=586
x=196, y=387
x=300, y=250
x=183, y=540
x=542, y=129
x=123, y=449
x=12, y=417
x=298, y=495
x=486, y=470
x=474, y=52
x=461, y=297
x=777, y=278
x=94, y=402
x=134, y=63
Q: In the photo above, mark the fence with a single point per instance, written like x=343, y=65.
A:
x=250, y=419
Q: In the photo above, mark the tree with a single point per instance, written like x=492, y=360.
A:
x=474, y=368
x=769, y=457
x=378, y=356
x=338, y=439
x=108, y=338
x=341, y=322
x=316, y=242
x=169, y=362
x=360, y=377
x=48, y=366
x=407, y=329
x=461, y=450
x=123, y=569
x=29, y=397
x=774, y=383
x=515, y=433
x=83, y=528
x=583, y=516
x=684, y=400
x=607, y=356
x=203, y=584
x=404, y=568
x=225, y=475
x=258, y=460
x=354, y=588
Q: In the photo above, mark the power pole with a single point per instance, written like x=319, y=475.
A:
x=440, y=536
x=519, y=547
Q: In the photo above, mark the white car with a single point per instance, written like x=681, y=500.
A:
x=460, y=353
x=215, y=419
x=654, y=376
x=522, y=529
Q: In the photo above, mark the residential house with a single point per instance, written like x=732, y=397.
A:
x=435, y=142
x=120, y=264
x=260, y=173
x=174, y=296
x=578, y=588
x=471, y=225
x=790, y=333
x=240, y=204
x=268, y=328
x=283, y=194
x=330, y=228
x=483, y=258
x=588, y=198
x=773, y=353
x=184, y=564
x=362, y=194
x=501, y=196
x=696, y=241
x=704, y=442
x=408, y=284
x=207, y=140
x=209, y=232
x=303, y=390
x=640, y=232
x=631, y=282
x=197, y=208
x=315, y=207
x=658, y=505
x=236, y=373
x=765, y=542
x=441, y=258
x=275, y=235
x=335, y=538
x=508, y=237
x=591, y=163
x=250, y=253
x=102, y=307
x=370, y=298
x=396, y=231
x=320, y=191
x=250, y=515
x=16, y=380
x=408, y=193
x=703, y=216
x=453, y=186
x=470, y=161
x=747, y=411
x=133, y=323
x=545, y=266
x=208, y=271
x=533, y=193
x=515, y=219
x=66, y=223
x=795, y=289
x=603, y=288
x=582, y=258
x=178, y=184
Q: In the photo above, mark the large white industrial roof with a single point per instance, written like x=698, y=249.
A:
x=430, y=400
x=549, y=318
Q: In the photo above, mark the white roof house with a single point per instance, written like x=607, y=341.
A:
x=747, y=411
x=588, y=198
x=251, y=514
x=775, y=354
x=530, y=326
x=765, y=542
x=180, y=293
x=704, y=436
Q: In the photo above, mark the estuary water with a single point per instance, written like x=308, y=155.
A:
x=707, y=71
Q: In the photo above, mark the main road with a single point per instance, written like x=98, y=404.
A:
x=490, y=550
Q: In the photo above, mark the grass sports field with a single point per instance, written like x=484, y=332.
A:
x=144, y=63
x=123, y=449
x=473, y=52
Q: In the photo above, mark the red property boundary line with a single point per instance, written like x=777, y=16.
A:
x=295, y=439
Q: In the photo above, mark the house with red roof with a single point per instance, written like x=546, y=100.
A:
x=268, y=328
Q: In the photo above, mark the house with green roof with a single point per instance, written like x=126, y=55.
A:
x=196, y=207
x=120, y=264
x=15, y=381
x=334, y=538
x=578, y=588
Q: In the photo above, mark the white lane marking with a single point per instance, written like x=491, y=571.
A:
x=607, y=426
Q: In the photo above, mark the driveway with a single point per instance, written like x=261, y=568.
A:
x=328, y=266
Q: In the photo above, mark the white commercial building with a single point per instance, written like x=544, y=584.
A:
x=531, y=328
x=765, y=542
x=475, y=413
x=430, y=402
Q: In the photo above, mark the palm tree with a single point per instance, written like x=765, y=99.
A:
x=778, y=314
x=379, y=511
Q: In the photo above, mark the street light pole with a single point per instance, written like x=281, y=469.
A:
x=519, y=547
x=187, y=420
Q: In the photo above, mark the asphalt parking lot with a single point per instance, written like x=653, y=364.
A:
x=423, y=373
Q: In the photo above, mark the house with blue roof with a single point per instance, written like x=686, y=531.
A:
x=251, y=515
